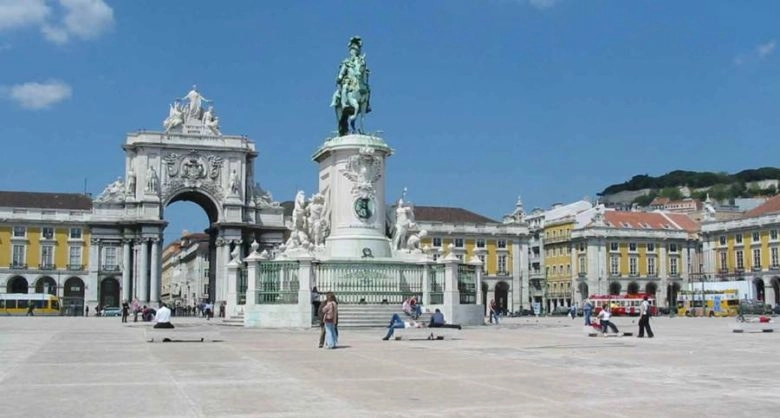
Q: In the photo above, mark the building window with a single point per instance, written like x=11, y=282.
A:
x=740, y=260
x=632, y=246
x=724, y=264
x=437, y=242
x=47, y=255
x=568, y=269
x=650, y=247
x=20, y=232
x=773, y=235
x=436, y=257
x=651, y=266
x=583, y=264
x=18, y=255
x=582, y=247
x=501, y=243
x=501, y=264
x=459, y=257
x=482, y=259
x=110, y=256
x=480, y=243
x=756, y=237
x=774, y=257
x=722, y=240
x=47, y=232
x=458, y=242
x=632, y=266
x=75, y=233
x=756, y=258
x=613, y=246
x=738, y=238
x=547, y=272
x=672, y=248
x=614, y=265
x=74, y=257
x=673, y=266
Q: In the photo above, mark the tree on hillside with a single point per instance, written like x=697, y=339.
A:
x=672, y=193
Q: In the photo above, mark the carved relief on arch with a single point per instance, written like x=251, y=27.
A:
x=192, y=166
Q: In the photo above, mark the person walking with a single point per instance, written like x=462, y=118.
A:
x=587, y=310
x=644, y=319
x=315, y=304
x=86, y=310
x=330, y=317
x=30, y=308
x=493, y=311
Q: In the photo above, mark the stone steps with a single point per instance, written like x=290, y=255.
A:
x=234, y=321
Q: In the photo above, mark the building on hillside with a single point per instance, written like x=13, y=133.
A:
x=185, y=270
x=687, y=205
x=616, y=252
x=541, y=269
x=500, y=246
x=746, y=248
x=45, y=248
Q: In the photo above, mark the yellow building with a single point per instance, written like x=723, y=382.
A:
x=746, y=248
x=501, y=246
x=616, y=252
x=45, y=245
x=557, y=260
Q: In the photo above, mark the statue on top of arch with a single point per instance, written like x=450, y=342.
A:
x=189, y=110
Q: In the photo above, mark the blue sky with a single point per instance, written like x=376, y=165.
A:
x=481, y=99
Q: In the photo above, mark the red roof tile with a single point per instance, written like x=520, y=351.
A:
x=772, y=205
x=637, y=220
x=35, y=200
x=684, y=221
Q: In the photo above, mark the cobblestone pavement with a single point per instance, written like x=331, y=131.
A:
x=89, y=367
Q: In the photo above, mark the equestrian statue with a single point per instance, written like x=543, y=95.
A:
x=352, y=97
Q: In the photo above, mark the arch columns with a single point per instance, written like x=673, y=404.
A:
x=126, y=269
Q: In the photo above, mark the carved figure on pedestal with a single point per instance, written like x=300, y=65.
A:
x=404, y=219
x=299, y=236
x=235, y=183
x=263, y=198
x=175, y=117
x=131, y=182
x=352, y=97
x=211, y=121
x=152, y=182
x=318, y=220
x=413, y=243
x=363, y=169
x=114, y=192
x=195, y=106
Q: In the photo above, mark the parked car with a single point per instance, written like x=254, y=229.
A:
x=112, y=311
x=560, y=311
x=753, y=307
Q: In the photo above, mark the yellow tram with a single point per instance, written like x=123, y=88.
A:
x=17, y=304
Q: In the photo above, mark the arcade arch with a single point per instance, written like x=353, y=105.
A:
x=46, y=284
x=614, y=288
x=17, y=284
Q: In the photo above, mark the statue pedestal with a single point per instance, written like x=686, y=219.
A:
x=352, y=180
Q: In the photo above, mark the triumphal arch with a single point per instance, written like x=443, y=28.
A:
x=189, y=160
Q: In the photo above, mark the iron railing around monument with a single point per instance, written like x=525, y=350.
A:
x=277, y=282
x=369, y=282
x=467, y=283
x=436, y=284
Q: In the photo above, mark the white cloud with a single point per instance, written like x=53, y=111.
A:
x=35, y=96
x=82, y=19
x=85, y=19
x=542, y=4
x=16, y=14
x=765, y=49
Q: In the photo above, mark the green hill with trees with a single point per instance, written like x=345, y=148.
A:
x=720, y=186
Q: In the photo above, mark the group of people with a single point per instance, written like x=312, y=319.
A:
x=605, y=315
x=437, y=321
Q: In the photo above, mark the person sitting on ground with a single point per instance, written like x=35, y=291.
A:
x=163, y=317
x=415, y=308
x=407, y=306
x=437, y=321
x=397, y=323
x=604, y=316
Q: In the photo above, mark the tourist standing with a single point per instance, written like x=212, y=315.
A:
x=587, y=309
x=493, y=311
x=125, y=311
x=86, y=310
x=136, y=309
x=644, y=319
x=330, y=317
x=315, y=304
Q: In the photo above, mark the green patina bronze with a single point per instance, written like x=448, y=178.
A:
x=352, y=97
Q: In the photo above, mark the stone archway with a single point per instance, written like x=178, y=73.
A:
x=651, y=289
x=109, y=292
x=775, y=283
x=615, y=288
x=672, y=290
x=758, y=286
x=46, y=284
x=73, y=297
x=501, y=295
x=633, y=288
x=17, y=284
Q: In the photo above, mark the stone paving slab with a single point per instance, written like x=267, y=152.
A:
x=525, y=367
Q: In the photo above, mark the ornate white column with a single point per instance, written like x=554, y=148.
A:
x=143, y=273
x=94, y=259
x=126, y=269
x=154, y=288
